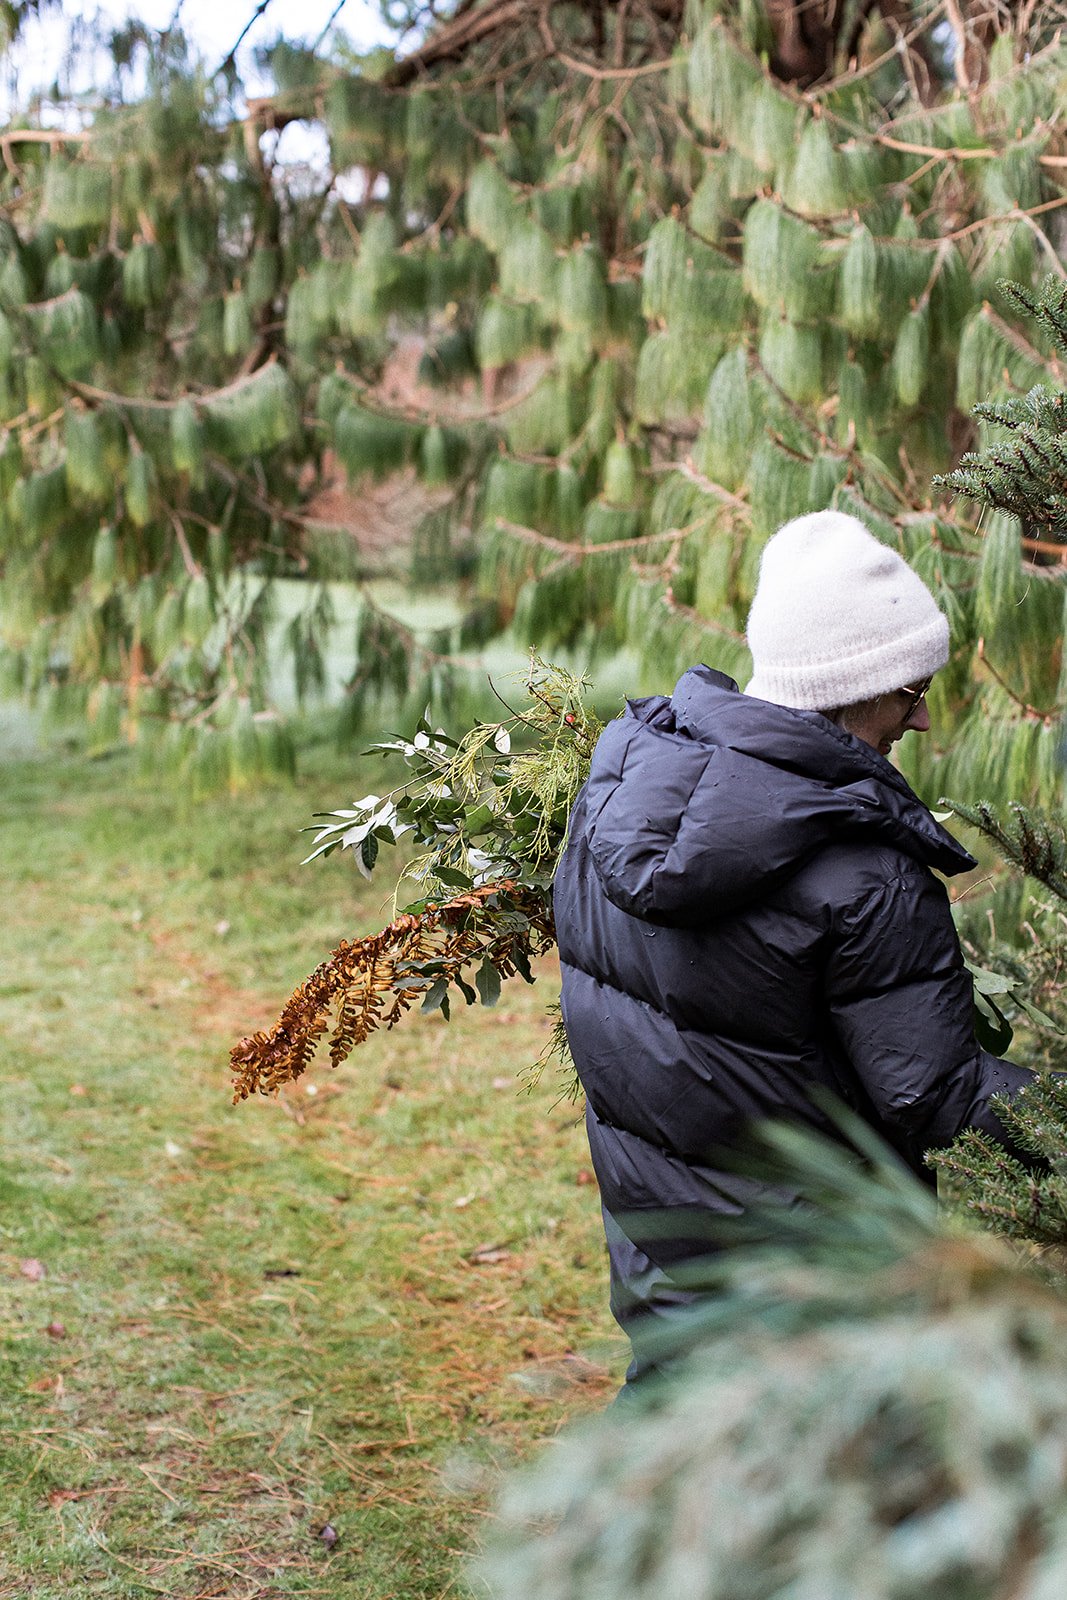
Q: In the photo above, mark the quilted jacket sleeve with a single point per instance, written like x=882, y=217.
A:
x=901, y=1003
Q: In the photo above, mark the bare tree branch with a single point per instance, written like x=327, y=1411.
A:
x=230, y=58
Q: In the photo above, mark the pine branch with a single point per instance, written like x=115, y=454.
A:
x=418, y=413
x=589, y=69
x=109, y=397
x=577, y=553
x=982, y=1180
x=455, y=37
x=689, y=472
x=1035, y=843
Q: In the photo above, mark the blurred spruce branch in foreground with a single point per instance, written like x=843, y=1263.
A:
x=873, y=1408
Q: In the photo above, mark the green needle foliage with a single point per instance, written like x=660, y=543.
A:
x=1026, y=474
x=1035, y=844
x=871, y=1410
x=674, y=279
x=975, y=1176
x=978, y=1179
x=1021, y=476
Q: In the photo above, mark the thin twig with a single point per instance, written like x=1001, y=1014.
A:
x=230, y=59
x=164, y=1492
x=689, y=471
x=586, y=68
x=49, y=136
x=1046, y=244
x=578, y=552
x=1033, y=713
x=856, y=73
x=331, y=19
x=1018, y=342
x=192, y=566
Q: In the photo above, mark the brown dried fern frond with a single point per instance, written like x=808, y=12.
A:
x=372, y=982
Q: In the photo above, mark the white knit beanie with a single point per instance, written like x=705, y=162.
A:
x=839, y=617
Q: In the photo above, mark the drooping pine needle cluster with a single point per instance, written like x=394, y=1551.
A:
x=670, y=287
x=1026, y=474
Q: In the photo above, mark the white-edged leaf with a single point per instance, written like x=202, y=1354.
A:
x=374, y=815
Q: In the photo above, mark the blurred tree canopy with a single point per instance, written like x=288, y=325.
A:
x=677, y=273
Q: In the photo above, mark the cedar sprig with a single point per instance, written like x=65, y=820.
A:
x=369, y=983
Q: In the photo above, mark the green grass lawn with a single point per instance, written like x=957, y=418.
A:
x=225, y=1328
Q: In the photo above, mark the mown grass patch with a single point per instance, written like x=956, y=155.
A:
x=348, y=1308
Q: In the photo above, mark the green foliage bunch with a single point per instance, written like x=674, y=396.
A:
x=666, y=295
x=976, y=1177
x=488, y=820
x=492, y=804
x=151, y=436
x=870, y=1409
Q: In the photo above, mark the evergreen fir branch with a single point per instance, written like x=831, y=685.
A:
x=1034, y=843
x=137, y=402
x=574, y=554
x=979, y=1179
x=847, y=1407
x=1048, y=306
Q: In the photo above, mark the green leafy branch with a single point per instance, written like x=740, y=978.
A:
x=490, y=817
x=492, y=804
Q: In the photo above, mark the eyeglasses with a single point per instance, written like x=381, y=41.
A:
x=916, y=694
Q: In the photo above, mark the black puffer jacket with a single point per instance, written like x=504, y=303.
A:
x=745, y=910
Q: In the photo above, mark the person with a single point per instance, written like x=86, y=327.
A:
x=747, y=912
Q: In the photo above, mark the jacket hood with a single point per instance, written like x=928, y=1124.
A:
x=701, y=804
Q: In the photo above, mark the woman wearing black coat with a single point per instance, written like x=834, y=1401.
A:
x=747, y=910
